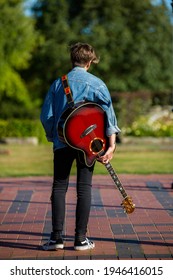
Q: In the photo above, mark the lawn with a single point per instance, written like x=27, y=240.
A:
x=27, y=160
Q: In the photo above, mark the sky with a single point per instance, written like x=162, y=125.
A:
x=168, y=2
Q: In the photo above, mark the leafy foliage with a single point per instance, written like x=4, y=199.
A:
x=133, y=39
x=150, y=125
x=17, y=39
x=51, y=57
x=22, y=128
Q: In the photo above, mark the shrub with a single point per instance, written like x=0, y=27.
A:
x=129, y=106
x=156, y=125
x=22, y=128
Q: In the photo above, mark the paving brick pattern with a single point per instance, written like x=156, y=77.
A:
x=147, y=233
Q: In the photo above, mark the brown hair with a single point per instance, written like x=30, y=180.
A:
x=82, y=53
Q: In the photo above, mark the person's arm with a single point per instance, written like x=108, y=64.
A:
x=47, y=115
x=110, y=151
x=111, y=129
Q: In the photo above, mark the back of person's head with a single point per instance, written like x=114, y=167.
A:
x=82, y=53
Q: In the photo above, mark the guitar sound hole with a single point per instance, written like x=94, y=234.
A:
x=97, y=145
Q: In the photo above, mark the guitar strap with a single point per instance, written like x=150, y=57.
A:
x=70, y=102
x=67, y=91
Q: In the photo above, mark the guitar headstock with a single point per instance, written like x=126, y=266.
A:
x=128, y=205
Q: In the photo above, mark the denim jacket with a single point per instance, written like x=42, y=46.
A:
x=84, y=86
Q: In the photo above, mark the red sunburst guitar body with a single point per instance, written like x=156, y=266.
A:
x=83, y=128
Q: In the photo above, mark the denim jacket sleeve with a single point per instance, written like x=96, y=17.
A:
x=47, y=114
x=104, y=98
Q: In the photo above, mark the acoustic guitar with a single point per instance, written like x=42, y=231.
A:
x=83, y=128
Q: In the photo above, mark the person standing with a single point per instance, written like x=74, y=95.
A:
x=84, y=87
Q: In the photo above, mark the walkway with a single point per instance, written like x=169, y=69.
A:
x=147, y=233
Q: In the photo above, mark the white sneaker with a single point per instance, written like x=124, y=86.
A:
x=84, y=245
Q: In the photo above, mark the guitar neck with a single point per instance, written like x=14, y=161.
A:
x=115, y=179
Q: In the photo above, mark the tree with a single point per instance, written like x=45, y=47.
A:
x=132, y=37
x=134, y=40
x=17, y=39
x=51, y=57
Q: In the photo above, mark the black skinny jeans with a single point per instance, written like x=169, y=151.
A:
x=63, y=159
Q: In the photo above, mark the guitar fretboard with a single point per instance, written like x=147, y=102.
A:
x=115, y=179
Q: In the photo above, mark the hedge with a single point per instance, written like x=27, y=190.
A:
x=22, y=128
x=144, y=127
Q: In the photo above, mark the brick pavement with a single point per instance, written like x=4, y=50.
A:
x=147, y=233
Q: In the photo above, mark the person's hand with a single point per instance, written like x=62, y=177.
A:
x=107, y=156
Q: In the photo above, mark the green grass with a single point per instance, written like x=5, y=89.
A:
x=143, y=159
x=26, y=160
x=22, y=160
